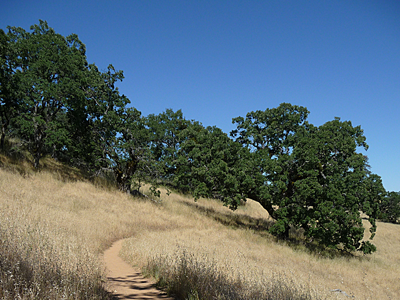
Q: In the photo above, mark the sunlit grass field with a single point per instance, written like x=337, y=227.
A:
x=54, y=226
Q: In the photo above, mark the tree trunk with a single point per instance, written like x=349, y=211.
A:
x=37, y=151
x=285, y=234
x=3, y=135
x=2, y=141
x=36, y=160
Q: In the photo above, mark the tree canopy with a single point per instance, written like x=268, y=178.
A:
x=390, y=208
x=51, y=73
x=311, y=177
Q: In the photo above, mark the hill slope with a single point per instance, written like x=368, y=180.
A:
x=53, y=231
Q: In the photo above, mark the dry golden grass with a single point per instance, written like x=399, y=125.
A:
x=53, y=230
x=255, y=257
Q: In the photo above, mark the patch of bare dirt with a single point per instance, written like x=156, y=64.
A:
x=126, y=282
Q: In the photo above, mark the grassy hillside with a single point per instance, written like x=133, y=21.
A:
x=54, y=227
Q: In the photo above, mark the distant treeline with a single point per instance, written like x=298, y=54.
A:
x=307, y=177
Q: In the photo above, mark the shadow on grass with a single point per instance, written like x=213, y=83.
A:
x=15, y=159
x=233, y=220
x=296, y=240
x=18, y=163
x=64, y=172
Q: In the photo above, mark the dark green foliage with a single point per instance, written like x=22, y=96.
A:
x=208, y=164
x=120, y=135
x=51, y=73
x=57, y=104
x=10, y=96
x=194, y=159
x=390, y=208
x=165, y=140
x=311, y=177
x=270, y=136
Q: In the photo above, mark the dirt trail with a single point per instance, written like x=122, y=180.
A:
x=126, y=282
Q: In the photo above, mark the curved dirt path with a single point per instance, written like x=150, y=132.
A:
x=126, y=282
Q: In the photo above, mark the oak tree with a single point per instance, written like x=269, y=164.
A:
x=310, y=177
x=209, y=164
x=10, y=96
x=121, y=140
x=51, y=72
x=165, y=139
x=390, y=208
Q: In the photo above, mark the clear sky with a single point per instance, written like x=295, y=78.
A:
x=217, y=60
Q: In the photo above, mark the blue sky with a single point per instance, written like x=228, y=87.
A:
x=217, y=60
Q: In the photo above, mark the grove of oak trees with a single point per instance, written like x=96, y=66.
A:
x=307, y=177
